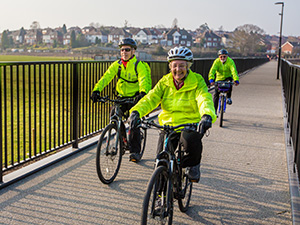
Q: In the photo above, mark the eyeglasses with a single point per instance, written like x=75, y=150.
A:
x=125, y=49
x=222, y=56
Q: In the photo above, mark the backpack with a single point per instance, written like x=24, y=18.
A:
x=148, y=69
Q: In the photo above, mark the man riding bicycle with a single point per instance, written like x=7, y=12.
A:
x=133, y=81
x=222, y=69
x=184, y=98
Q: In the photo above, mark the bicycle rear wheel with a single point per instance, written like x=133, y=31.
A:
x=185, y=194
x=222, y=110
x=109, y=155
x=158, y=200
x=143, y=132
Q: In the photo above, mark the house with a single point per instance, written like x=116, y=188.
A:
x=141, y=36
x=88, y=29
x=96, y=36
x=211, y=40
x=147, y=36
x=117, y=34
x=19, y=36
x=177, y=36
x=154, y=35
x=33, y=37
x=50, y=36
x=290, y=47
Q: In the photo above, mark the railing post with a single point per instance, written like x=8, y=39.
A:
x=75, y=105
x=1, y=155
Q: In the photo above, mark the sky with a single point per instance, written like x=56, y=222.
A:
x=190, y=14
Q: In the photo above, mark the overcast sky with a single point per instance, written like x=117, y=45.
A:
x=190, y=14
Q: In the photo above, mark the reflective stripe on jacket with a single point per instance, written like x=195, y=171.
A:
x=126, y=89
x=185, y=105
x=220, y=71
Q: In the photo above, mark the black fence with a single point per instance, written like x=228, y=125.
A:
x=290, y=74
x=45, y=106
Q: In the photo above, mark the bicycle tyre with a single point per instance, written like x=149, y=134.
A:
x=222, y=111
x=143, y=132
x=186, y=193
x=165, y=214
x=109, y=155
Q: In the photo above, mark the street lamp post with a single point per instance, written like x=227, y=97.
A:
x=280, y=37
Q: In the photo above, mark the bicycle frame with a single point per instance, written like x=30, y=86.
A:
x=224, y=96
x=168, y=157
x=117, y=116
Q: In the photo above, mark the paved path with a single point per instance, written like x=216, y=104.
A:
x=244, y=173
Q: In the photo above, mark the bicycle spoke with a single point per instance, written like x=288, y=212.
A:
x=108, y=158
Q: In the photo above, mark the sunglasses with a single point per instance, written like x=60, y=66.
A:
x=125, y=49
x=222, y=57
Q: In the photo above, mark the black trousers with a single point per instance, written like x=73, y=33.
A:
x=217, y=93
x=134, y=135
x=192, y=146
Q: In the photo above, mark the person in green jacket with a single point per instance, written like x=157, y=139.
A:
x=133, y=81
x=222, y=69
x=184, y=98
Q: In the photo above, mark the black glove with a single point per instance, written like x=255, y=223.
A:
x=139, y=96
x=205, y=123
x=134, y=120
x=95, y=96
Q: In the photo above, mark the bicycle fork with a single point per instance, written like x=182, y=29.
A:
x=223, y=96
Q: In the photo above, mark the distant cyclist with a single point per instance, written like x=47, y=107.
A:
x=222, y=69
x=133, y=81
x=184, y=98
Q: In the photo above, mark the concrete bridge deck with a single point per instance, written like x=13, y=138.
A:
x=245, y=177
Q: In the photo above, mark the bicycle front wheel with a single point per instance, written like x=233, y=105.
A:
x=109, y=155
x=158, y=200
x=185, y=193
x=143, y=132
x=222, y=110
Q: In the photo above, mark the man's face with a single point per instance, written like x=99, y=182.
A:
x=126, y=52
x=178, y=69
x=223, y=58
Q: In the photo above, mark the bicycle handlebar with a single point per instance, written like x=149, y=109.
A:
x=224, y=81
x=117, y=101
x=172, y=128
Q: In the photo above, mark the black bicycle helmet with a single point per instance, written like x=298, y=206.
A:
x=182, y=53
x=222, y=52
x=128, y=41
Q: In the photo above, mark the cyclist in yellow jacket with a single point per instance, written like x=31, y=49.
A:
x=133, y=81
x=222, y=69
x=184, y=98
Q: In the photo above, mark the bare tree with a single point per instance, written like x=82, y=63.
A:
x=202, y=28
x=35, y=25
x=175, y=23
x=247, y=38
x=126, y=24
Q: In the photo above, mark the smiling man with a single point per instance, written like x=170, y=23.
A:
x=184, y=98
x=134, y=80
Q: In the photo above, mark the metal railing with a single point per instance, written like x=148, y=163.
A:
x=45, y=106
x=290, y=74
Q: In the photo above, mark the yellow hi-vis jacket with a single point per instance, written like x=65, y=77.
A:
x=186, y=105
x=140, y=82
x=220, y=71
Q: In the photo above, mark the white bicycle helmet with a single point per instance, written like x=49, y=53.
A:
x=181, y=53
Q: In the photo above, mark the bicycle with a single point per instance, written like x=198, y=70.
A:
x=112, y=145
x=223, y=87
x=168, y=180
